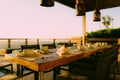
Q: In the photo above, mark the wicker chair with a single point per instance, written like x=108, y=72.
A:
x=35, y=46
x=101, y=71
x=50, y=46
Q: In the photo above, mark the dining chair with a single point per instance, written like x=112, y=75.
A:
x=101, y=72
x=91, y=61
x=35, y=46
x=115, y=64
x=50, y=46
x=63, y=43
x=23, y=47
x=46, y=48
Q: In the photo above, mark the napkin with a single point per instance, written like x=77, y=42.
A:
x=62, y=51
x=104, y=44
x=82, y=48
x=98, y=44
x=15, y=52
x=44, y=49
x=29, y=53
x=2, y=51
x=90, y=46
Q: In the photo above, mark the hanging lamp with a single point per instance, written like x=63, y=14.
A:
x=80, y=8
x=47, y=3
x=97, y=13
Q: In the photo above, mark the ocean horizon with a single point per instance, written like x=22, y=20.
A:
x=18, y=43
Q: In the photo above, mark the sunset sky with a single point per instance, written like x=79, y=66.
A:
x=26, y=18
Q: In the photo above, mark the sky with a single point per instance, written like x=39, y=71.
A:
x=27, y=19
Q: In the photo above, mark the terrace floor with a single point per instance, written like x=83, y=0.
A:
x=46, y=75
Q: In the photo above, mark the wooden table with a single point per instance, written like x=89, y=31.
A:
x=41, y=64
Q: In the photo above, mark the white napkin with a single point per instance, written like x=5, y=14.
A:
x=44, y=48
x=98, y=44
x=2, y=51
x=15, y=52
x=62, y=50
x=90, y=46
x=82, y=48
x=29, y=53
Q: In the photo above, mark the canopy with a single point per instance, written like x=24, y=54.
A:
x=90, y=4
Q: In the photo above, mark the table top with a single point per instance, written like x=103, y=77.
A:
x=48, y=61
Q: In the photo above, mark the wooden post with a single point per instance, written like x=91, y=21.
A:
x=83, y=29
x=9, y=43
x=26, y=41
x=37, y=41
x=54, y=43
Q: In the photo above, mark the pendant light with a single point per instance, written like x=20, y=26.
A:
x=97, y=13
x=80, y=8
x=47, y=3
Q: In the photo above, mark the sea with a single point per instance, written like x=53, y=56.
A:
x=17, y=43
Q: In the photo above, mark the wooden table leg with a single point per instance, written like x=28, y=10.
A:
x=41, y=75
x=70, y=65
x=21, y=70
x=36, y=75
x=56, y=71
x=18, y=70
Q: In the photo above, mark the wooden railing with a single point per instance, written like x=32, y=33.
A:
x=7, y=42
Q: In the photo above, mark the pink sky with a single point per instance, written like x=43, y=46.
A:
x=26, y=18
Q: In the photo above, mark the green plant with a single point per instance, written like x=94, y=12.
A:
x=105, y=33
x=107, y=20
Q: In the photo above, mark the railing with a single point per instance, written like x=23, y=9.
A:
x=17, y=42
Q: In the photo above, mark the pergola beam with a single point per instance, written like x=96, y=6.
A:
x=90, y=4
